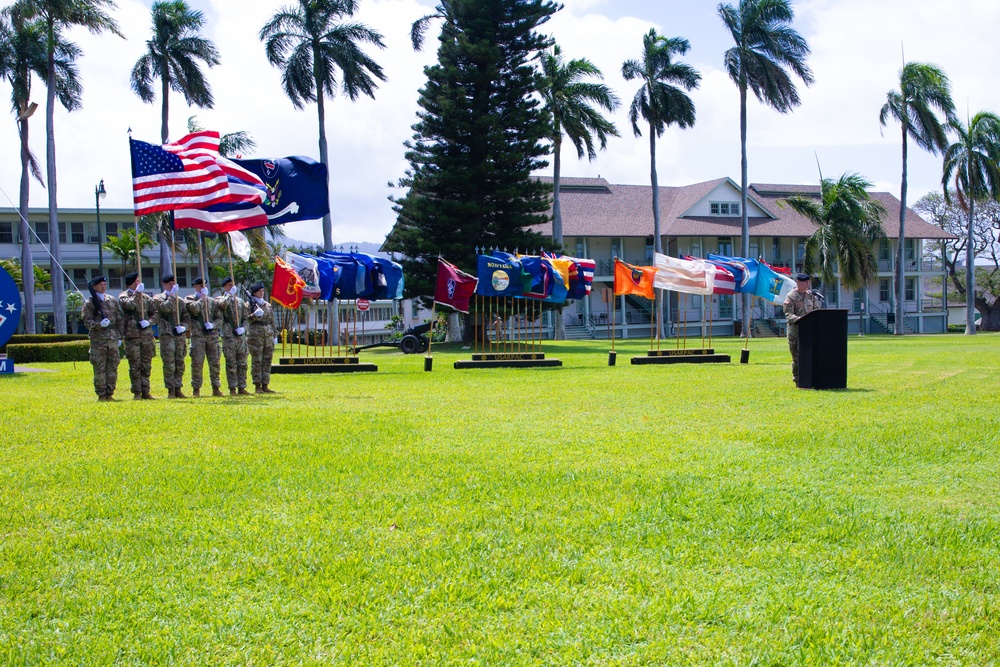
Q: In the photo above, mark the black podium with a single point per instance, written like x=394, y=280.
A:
x=823, y=349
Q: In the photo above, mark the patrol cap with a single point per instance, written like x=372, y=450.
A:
x=227, y=280
x=198, y=281
x=168, y=278
x=131, y=277
x=256, y=287
x=97, y=280
x=802, y=277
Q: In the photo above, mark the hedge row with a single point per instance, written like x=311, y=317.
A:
x=18, y=339
x=26, y=353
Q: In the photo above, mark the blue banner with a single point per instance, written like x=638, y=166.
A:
x=498, y=277
x=10, y=307
x=296, y=188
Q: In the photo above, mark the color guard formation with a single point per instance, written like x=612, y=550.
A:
x=246, y=328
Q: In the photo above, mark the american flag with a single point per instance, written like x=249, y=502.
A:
x=189, y=174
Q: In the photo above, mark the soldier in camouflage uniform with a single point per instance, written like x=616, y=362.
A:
x=103, y=317
x=799, y=302
x=206, y=323
x=138, y=312
x=234, y=339
x=260, y=340
x=173, y=336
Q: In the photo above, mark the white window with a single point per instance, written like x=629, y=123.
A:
x=724, y=208
x=714, y=207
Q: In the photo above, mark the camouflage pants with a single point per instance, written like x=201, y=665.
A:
x=234, y=348
x=262, y=352
x=201, y=347
x=173, y=350
x=139, y=352
x=104, y=358
x=793, y=347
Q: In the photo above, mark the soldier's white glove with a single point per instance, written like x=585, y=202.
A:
x=180, y=329
x=209, y=326
x=239, y=331
x=105, y=323
x=232, y=290
x=203, y=291
x=173, y=290
x=143, y=324
x=259, y=312
x=140, y=287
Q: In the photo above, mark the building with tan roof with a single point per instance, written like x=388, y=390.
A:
x=603, y=221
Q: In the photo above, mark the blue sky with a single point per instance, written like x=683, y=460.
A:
x=856, y=58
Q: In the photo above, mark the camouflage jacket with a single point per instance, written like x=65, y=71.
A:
x=798, y=304
x=167, y=308
x=109, y=309
x=205, y=309
x=263, y=326
x=234, y=314
x=137, y=306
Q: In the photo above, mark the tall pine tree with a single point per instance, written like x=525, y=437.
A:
x=481, y=133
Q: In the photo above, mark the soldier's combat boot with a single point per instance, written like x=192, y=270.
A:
x=196, y=393
x=267, y=390
x=232, y=391
x=178, y=393
x=137, y=396
x=170, y=393
x=243, y=392
x=102, y=398
x=216, y=391
x=256, y=389
x=146, y=396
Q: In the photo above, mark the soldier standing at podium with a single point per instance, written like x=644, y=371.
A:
x=798, y=303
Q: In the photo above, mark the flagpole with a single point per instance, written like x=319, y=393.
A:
x=653, y=325
x=173, y=260
x=614, y=306
x=138, y=266
x=201, y=266
x=428, y=359
x=236, y=301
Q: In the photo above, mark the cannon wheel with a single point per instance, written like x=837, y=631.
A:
x=409, y=345
x=424, y=343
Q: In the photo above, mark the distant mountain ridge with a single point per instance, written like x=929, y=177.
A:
x=366, y=247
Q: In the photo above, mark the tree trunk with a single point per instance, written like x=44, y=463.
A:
x=657, y=235
x=58, y=290
x=454, y=328
x=557, y=230
x=166, y=265
x=27, y=266
x=970, y=275
x=900, y=257
x=332, y=313
x=744, y=185
x=990, y=313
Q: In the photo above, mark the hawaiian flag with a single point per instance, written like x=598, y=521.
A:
x=725, y=282
x=454, y=288
x=286, y=288
x=637, y=280
x=581, y=277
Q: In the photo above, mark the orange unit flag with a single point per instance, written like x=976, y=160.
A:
x=287, y=286
x=637, y=280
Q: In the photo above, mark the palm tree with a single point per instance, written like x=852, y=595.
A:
x=57, y=16
x=766, y=48
x=922, y=89
x=172, y=56
x=660, y=101
x=22, y=56
x=309, y=43
x=568, y=101
x=973, y=160
x=850, y=226
x=122, y=247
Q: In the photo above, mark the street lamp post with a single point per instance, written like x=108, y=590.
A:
x=99, y=194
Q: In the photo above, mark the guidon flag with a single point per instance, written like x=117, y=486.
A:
x=454, y=288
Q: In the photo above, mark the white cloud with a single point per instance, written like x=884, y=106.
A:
x=856, y=58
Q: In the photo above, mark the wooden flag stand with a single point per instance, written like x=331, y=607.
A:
x=315, y=358
x=508, y=347
x=682, y=355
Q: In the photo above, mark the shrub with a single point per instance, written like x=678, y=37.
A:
x=74, y=350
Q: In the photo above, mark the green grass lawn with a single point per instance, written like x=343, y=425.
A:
x=584, y=515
